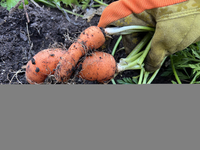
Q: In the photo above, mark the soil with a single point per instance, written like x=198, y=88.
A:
x=48, y=27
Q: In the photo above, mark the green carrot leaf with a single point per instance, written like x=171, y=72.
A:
x=174, y=82
x=8, y=3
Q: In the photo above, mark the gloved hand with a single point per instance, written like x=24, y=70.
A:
x=177, y=24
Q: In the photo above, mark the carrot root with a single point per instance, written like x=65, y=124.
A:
x=91, y=38
x=100, y=66
x=43, y=64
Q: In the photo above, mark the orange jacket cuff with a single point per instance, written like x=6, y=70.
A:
x=123, y=8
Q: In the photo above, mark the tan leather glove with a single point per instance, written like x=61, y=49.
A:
x=177, y=24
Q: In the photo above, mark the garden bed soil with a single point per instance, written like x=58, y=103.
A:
x=48, y=27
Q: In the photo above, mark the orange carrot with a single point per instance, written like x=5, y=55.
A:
x=42, y=65
x=100, y=66
x=91, y=38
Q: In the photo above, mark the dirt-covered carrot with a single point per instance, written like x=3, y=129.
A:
x=99, y=66
x=102, y=67
x=43, y=64
x=91, y=38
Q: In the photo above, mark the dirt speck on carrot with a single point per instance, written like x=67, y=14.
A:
x=33, y=61
x=37, y=69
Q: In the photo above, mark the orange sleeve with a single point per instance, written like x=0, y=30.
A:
x=123, y=8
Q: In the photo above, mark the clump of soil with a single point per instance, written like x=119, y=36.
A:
x=20, y=41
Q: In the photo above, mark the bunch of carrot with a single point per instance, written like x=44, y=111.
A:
x=63, y=63
x=98, y=66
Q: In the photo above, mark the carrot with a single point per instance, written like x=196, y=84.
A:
x=93, y=68
x=91, y=38
x=102, y=67
x=42, y=65
x=99, y=66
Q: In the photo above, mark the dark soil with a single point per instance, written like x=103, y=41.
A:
x=20, y=41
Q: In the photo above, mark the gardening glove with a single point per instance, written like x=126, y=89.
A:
x=176, y=22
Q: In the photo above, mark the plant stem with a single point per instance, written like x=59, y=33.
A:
x=102, y=3
x=95, y=5
x=70, y=12
x=137, y=64
x=62, y=9
x=136, y=58
x=131, y=66
x=141, y=75
x=125, y=61
x=140, y=45
x=116, y=44
x=113, y=81
x=127, y=29
x=193, y=80
x=57, y=5
x=146, y=74
x=47, y=3
x=141, y=59
x=155, y=73
x=174, y=70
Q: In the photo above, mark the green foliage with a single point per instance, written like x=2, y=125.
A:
x=174, y=82
x=186, y=64
x=51, y=3
x=21, y=5
x=69, y=2
x=3, y=3
x=8, y=3
x=85, y=4
x=128, y=80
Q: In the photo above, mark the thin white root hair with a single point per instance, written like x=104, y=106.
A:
x=15, y=75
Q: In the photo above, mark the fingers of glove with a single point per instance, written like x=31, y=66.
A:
x=170, y=37
x=154, y=59
x=122, y=8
